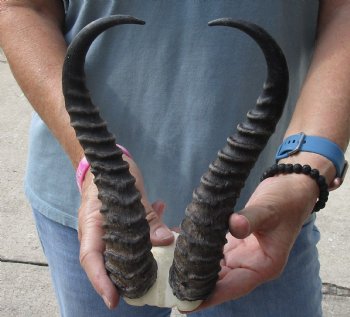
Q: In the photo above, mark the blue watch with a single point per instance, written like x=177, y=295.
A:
x=315, y=144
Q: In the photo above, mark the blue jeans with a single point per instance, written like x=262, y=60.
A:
x=297, y=292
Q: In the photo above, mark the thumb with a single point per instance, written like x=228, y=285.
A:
x=251, y=219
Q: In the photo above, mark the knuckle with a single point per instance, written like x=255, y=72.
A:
x=152, y=216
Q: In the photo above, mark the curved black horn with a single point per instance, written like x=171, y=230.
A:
x=129, y=261
x=198, y=251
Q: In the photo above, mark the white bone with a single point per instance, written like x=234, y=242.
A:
x=161, y=294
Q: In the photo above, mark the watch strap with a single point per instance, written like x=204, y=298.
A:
x=315, y=144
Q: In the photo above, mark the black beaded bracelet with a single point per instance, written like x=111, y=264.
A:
x=306, y=170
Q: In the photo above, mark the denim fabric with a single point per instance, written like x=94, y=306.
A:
x=75, y=295
x=296, y=293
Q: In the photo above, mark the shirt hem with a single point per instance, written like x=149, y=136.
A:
x=49, y=211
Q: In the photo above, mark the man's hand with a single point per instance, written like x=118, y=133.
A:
x=262, y=235
x=90, y=233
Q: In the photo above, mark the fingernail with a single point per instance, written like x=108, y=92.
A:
x=107, y=302
x=163, y=233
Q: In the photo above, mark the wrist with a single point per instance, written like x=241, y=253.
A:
x=81, y=172
x=88, y=180
x=302, y=170
x=84, y=167
x=317, y=161
x=318, y=152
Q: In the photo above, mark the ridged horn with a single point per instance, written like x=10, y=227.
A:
x=199, y=247
x=128, y=256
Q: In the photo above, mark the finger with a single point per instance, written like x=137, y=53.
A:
x=159, y=207
x=159, y=232
x=239, y=226
x=90, y=234
x=252, y=219
x=235, y=284
x=224, y=269
x=91, y=256
x=93, y=265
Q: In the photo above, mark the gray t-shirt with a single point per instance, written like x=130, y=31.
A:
x=172, y=91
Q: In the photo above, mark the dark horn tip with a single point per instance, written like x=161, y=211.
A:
x=245, y=26
x=273, y=54
x=118, y=19
x=132, y=19
x=226, y=22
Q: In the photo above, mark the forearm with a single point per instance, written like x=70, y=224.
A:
x=323, y=108
x=31, y=37
x=324, y=105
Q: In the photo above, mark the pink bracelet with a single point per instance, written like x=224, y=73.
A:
x=84, y=165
